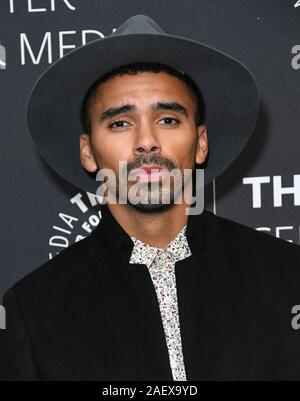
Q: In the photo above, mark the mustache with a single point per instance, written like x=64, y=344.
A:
x=153, y=159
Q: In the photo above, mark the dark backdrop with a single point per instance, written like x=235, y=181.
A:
x=41, y=214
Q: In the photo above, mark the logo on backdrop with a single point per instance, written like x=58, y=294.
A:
x=297, y=4
x=75, y=224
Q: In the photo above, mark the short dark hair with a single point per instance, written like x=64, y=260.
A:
x=135, y=68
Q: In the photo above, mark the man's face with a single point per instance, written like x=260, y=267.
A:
x=147, y=132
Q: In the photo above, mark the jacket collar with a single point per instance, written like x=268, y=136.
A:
x=201, y=231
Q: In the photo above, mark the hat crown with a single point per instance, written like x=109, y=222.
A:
x=138, y=24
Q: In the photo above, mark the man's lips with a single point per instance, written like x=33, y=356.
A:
x=149, y=169
x=152, y=173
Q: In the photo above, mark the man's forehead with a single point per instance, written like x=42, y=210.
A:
x=142, y=75
x=137, y=89
x=139, y=81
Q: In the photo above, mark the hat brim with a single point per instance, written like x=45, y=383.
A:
x=228, y=88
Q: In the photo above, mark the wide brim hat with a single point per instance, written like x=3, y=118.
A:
x=228, y=89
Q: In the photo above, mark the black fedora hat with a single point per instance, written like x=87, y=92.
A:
x=228, y=88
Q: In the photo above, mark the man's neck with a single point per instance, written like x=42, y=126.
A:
x=154, y=228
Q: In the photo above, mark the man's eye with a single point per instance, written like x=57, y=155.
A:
x=120, y=123
x=168, y=120
x=117, y=124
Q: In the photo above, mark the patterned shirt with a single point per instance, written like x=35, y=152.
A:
x=161, y=265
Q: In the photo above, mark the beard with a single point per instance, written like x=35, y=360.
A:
x=150, y=197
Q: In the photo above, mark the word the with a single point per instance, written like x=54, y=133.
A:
x=278, y=189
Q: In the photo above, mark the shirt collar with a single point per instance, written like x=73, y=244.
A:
x=201, y=230
x=145, y=254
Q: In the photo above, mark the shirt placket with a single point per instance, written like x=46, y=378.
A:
x=162, y=271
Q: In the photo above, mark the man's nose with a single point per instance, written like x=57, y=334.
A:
x=146, y=142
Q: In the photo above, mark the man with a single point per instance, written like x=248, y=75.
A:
x=154, y=293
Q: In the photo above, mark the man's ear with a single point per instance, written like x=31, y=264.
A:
x=202, y=145
x=86, y=154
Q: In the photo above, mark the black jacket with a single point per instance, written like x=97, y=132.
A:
x=88, y=314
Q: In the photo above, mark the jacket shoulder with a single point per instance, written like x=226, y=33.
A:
x=258, y=245
x=241, y=232
x=68, y=264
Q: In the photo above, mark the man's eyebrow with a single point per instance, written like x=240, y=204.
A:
x=114, y=111
x=174, y=106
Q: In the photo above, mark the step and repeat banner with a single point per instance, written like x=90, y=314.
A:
x=41, y=214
